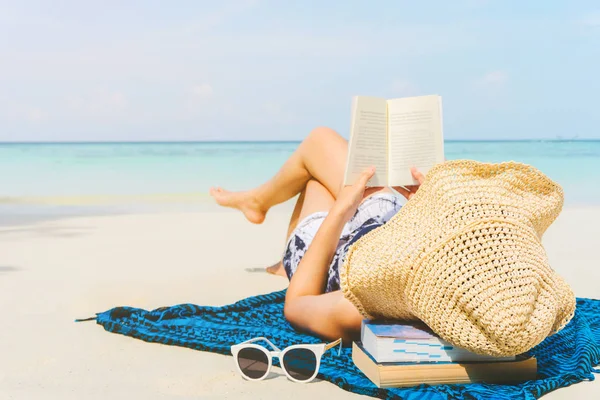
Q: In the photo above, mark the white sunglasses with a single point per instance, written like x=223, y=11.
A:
x=300, y=362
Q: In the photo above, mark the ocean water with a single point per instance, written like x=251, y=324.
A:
x=58, y=172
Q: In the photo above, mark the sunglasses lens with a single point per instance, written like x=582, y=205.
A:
x=300, y=363
x=253, y=362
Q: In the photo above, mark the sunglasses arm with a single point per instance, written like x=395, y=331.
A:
x=333, y=344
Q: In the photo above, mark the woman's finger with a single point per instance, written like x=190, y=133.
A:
x=417, y=175
x=365, y=176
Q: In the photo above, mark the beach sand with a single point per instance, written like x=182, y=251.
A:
x=52, y=272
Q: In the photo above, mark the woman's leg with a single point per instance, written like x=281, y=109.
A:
x=321, y=157
x=314, y=198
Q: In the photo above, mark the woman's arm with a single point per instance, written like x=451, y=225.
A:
x=306, y=307
x=330, y=315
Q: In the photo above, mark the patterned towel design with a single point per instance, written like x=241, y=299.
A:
x=565, y=358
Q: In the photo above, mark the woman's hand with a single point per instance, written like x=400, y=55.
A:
x=351, y=196
x=409, y=191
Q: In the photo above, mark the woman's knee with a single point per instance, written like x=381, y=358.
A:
x=316, y=198
x=324, y=133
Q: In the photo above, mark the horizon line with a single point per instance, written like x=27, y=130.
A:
x=277, y=141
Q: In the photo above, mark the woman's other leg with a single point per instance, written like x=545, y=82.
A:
x=320, y=157
x=314, y=198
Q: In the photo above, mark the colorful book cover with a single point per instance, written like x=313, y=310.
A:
x=408, y=331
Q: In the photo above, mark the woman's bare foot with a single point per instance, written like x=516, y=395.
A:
x=277, y=269
x=243, y=201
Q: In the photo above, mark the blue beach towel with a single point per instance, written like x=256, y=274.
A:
x=565, y=358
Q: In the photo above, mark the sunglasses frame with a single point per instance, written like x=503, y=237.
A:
x=318, y=349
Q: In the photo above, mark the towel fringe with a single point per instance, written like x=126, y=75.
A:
x=86, y=319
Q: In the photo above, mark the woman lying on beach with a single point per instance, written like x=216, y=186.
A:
x=327, y=219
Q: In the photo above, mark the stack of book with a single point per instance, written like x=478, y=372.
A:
x=396, y=355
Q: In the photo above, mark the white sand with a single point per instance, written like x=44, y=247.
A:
x=53, y=272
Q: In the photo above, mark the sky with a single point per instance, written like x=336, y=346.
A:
x=135, y=70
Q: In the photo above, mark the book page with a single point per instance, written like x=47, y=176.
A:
x=415, y=137
x=368, y=140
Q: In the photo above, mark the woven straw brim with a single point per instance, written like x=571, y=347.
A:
x=464, y=255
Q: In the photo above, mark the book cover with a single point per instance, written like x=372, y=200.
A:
x=407, y=331
x=413, y=342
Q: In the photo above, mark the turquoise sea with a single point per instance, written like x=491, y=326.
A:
x=64, y=173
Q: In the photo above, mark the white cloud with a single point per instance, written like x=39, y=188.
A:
x=591, y=20
x=202, y=91
x=21, y=111
x=477, y=3
x=211, y=20
x=492, y=89
x=118, y=100
x=268, y=113
x=497, y=78
x=199, y=102
x=272, y=108
x=401, y=87
x=15, y=15
x=36, y=114
x=97, y=103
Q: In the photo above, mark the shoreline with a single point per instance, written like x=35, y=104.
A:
x=23, y=212
x=19, y=211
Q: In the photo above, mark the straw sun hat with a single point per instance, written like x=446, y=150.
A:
x=465, y=256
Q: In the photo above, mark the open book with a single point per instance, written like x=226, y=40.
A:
x=393, y=136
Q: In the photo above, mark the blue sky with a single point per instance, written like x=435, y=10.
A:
x=273, y=70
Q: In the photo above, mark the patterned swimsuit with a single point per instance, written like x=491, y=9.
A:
x=372, y=213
